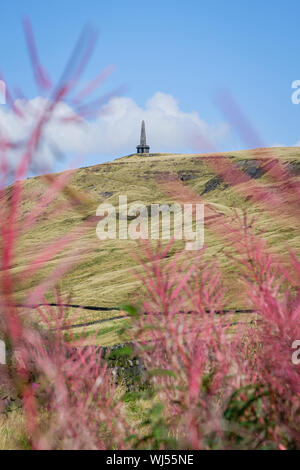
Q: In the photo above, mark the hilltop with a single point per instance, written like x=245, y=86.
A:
x=101, y=273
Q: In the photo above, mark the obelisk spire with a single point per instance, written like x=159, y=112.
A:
x=143, y=147
x=143, y=135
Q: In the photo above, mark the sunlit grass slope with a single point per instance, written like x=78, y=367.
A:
x=101, y=272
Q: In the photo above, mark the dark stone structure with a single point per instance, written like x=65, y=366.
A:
x=143, y=147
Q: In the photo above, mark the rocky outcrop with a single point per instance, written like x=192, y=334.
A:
x=253, y=168
x=212, y=184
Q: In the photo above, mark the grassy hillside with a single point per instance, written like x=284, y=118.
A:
x=102, y=271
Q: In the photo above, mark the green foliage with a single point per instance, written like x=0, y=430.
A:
x=123, y=351
x=154, y=431
x=130, y=309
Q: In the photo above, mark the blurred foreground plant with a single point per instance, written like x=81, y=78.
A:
x=212, y=379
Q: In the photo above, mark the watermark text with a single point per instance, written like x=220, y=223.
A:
x=157, y=221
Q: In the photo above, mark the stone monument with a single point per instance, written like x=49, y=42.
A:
x=143, y=147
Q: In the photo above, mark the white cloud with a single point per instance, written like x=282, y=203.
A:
x=115, y=131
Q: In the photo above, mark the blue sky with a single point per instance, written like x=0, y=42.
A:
x=188, y=49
